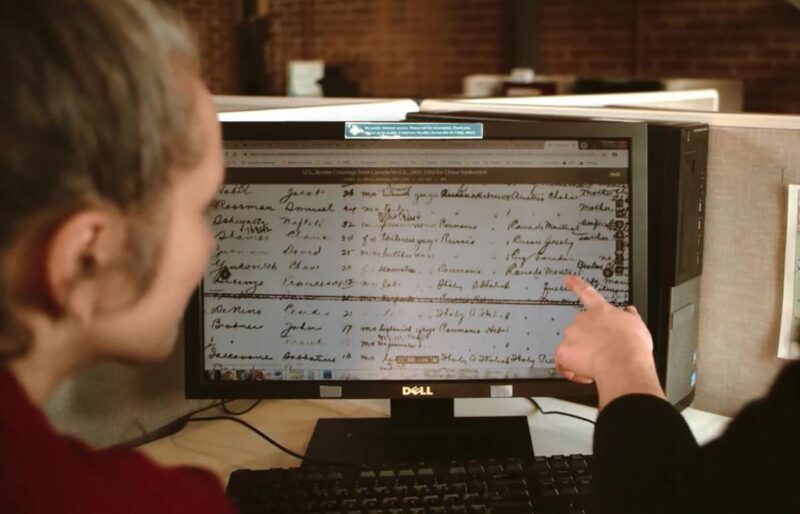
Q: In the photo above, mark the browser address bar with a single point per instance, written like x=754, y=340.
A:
x=508, y=158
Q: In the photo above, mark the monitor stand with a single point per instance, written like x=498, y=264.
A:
x=420, y=430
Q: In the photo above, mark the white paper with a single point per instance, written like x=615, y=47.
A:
x=788, y=346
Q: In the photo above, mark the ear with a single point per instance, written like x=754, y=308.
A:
x=80, y=259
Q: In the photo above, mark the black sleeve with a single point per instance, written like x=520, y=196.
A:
x=647, y=460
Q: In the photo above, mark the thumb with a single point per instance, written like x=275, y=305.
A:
x=632, y=310
x=569, y=358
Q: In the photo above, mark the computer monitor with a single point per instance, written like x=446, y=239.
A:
x=421, y=267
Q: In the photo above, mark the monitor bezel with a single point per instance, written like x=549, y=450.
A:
x=636, y=133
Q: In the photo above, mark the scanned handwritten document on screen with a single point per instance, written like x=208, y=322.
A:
x=375, y=265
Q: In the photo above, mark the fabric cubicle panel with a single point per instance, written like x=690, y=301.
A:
x=741, y=290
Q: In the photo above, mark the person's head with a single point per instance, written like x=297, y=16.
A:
x=109, y=156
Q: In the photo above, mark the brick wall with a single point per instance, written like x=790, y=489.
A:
x=755, y=40
x=414, y=48
x=423, y=48
x=587, y=38
x=214, y=24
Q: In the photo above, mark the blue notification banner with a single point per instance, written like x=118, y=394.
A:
x=371, y=130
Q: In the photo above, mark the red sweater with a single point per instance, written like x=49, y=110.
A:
x=43, y=472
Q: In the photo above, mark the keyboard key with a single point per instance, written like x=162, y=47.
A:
x=574, y=504
x=510, y=485
x=368, y=503
x=390, y=502
x=471, y=498
x=512, y=508
x=515, y=495
x=514, y=467
x=495, y=468
x=479, y=487
x=420, y=489
x=431, y=500
x=549, y=491
x=451, y=499
x=412, y=501
x=400, y=490
x=440, y=488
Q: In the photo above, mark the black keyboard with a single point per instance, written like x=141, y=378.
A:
x=542, y=485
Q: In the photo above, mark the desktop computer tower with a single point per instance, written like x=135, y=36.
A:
x=677, y=160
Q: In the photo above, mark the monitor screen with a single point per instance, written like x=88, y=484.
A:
x=407, y=261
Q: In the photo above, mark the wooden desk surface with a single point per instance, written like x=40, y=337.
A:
x=223, y=446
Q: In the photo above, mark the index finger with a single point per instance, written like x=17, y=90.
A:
x=590, y=298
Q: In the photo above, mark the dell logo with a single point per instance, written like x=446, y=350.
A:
x=417, y=391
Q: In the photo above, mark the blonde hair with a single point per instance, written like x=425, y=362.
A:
x=91, y=109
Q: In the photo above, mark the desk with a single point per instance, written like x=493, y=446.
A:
x=223, y=446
